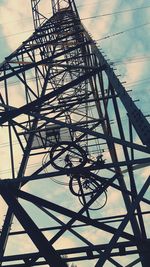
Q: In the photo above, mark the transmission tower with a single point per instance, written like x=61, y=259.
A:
x=74, y=195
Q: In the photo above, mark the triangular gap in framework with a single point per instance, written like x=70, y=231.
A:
x=128, y=261
x=42, y=244
x=17, y=236
x=67, y=212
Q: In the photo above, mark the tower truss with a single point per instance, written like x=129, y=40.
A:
x=74, y=192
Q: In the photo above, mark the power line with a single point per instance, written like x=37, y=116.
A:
x=116, y=13
x=106, y=37
x=124, y=31
x=5, y=171
x=93, y=17
x=131, y=60
x=139, y=81
x=14, y=34
x=49, y=13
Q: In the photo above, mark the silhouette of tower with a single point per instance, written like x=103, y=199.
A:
x=74, y=194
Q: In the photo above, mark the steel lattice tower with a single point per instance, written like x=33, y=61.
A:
x=71, y=96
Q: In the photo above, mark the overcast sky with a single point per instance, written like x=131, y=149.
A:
x=121, y=29
x=131, y=47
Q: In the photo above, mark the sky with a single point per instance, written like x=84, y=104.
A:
x=121, y=29
x=131, y=48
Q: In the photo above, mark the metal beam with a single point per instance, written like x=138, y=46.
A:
x=120, y=246
x=137, y=118
x=72, y=214
x=145, y=255
x=5, y=233
x=42, y=244
x=29, y=107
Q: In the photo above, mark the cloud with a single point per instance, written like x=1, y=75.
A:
x=145, y=173
x=17, y=21
x=121, y=46
x=19, y=244
x=97, y=27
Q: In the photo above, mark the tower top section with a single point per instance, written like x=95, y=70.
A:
x=57, y=6
x=61, y=5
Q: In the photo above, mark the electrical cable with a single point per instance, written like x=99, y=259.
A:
x=131, y=60
x=116, y=13
x=92, y=17
x=103, y=38
x=5, y=171
x=14, y=34
x=124, y=31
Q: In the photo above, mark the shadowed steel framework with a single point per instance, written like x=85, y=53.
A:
x=70, y=154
